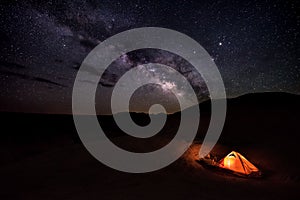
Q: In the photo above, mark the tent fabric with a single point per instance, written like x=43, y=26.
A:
x=234, y=161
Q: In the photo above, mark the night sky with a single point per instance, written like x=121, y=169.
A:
x=253, y=43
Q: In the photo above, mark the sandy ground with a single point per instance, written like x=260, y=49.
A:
x=69, y=172
x=42, y=159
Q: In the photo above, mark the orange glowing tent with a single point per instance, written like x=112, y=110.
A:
x=237, y=163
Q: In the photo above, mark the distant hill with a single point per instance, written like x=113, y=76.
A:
x=52, y=124
x=267, y=99
x=264, y=100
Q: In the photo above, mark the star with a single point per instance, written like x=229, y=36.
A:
x=49, y=41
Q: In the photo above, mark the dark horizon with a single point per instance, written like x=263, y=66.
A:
x=282, y=99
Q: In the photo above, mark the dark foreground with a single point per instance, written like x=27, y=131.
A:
x=42, y=157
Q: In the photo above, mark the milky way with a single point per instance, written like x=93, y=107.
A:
x=253, y=43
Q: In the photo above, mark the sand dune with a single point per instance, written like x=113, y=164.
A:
x=53, y=164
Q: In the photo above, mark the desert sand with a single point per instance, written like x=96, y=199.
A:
x=55, y=165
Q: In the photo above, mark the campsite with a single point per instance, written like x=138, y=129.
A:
x=233, y=163
x=55, y=165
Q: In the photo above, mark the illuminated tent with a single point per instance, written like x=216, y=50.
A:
x=237, y=163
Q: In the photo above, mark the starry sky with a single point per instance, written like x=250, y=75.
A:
x=253, y=43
